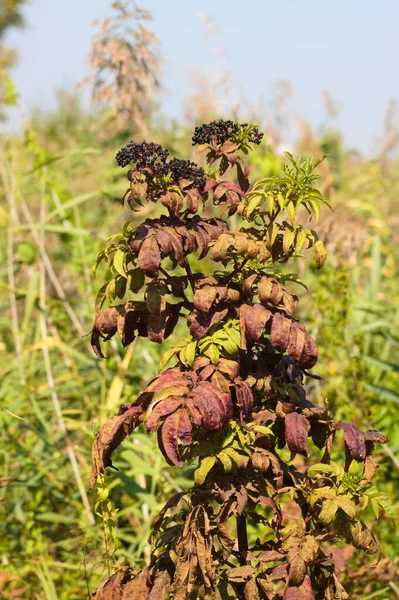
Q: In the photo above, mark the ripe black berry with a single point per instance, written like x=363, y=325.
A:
x=142, y=155
x=186, y=169
x=221, y=130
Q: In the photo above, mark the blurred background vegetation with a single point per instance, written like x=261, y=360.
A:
x=60, y=192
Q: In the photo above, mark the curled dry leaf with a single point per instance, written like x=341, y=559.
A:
x=110, y=436
x=183, y=404
x=135, y=319
x=355, y=440
x=155, y=239
x=270, y=290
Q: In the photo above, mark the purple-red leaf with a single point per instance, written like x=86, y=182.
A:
x=204, y=298
x=200, y=324
x=355, y=440
x=280, y=332
x=149, y=257
x=255, y=321
x=301, y=592
x=244, y=395
x=296, y=432
x=175, y=428
x=161, y=409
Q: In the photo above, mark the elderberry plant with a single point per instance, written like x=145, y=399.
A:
x=256, y=523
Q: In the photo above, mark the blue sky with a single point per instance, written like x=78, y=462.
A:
x=349, y=48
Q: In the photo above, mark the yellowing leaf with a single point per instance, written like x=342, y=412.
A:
x=300, y=240
x=203, y=469
x=290, y=210
x=119, y=262
x=289, y=236
x=321, y=254
x=347, y=506
x=226, y=461
x=328, y=511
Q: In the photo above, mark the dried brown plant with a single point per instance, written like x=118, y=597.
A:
x=124, y=66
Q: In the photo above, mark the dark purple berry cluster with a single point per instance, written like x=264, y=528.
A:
x=186, y=169
x=219, y=130
x=255, y=137
x=143, y=155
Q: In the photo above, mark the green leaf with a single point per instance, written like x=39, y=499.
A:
x=315, y=205
x=101, y=295
x=119, y=262
x=226, y=461
x=203, y=469
x=136, y=280
x=187, y=354
x=190, y=353
x=110, y=291
x=328, y=511
x=272, y=232
x=262, y=429
x=72, y=203
x=288, y=238
x=347, y=505
x=241, y=460
x=300, y=240
x=253, y=204
x=52, y=517
x=99, y=258
x=382, y=364
x=213, y=353
x=290, y=210
x=319, y=468
x=120, y=287
x=169, y=353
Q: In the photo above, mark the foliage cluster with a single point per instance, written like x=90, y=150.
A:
x=52, y=225
x=257, y=523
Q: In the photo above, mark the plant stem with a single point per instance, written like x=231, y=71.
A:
x=13, y=219
x=242, y=538
x=189, y=274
